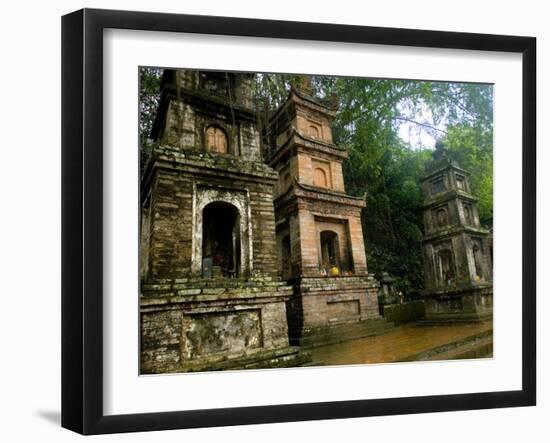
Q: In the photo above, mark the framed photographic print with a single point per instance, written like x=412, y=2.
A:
x=270, y=221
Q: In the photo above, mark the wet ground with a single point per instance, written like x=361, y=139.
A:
x=397, y=345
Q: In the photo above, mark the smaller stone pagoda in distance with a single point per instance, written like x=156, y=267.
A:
x=458, y=271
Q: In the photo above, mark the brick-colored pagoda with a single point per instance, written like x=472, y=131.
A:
x=318, y=226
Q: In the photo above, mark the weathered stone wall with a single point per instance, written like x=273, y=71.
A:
x=185, y=128
x=198, y=323
x=325, y=301
x=308, y=247
x=453, y=204
x=239, y=86
x=144, y=241
x=210, y=333
x=160, y=340
x=191, y=101
x=176, y=182
x=484, y=256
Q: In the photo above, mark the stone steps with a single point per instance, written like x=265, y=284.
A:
x=262, y=359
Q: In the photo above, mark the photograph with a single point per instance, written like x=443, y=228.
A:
x=302, y=220
x=275, y=222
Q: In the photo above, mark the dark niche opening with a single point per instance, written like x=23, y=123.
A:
x=442, y=219
x=446, y=267
x=221, y=241
x=468, y=215
x=329, y=250
x=286, y=263
x=437, y=185
x=478, y=259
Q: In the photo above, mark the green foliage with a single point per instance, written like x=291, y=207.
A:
x=149, y=96
x=473, y=151
x=389, y=171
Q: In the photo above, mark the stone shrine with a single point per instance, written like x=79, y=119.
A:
x=211, y=297
x=458, y=271
x=318, y=226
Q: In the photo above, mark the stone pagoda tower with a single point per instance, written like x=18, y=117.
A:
x=210, y=294
x=318, y=226
x=456, y=251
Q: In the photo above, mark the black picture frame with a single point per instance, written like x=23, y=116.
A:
x=82, y=218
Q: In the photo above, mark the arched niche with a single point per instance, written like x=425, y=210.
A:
x=221, y=240
x=478, y=259
x=320, y=178
x=330, y=250
x=229, y=211
x=446, y=267
x=313, y=132
x=216, y=139
x=286, y=258
x=442, y=218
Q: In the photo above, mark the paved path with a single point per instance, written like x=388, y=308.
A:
x=396, y=345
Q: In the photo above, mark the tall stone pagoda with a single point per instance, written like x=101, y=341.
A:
x=318, y=226
x=211, y=296
x=458, y=272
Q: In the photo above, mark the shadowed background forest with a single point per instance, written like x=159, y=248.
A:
x=389, y=128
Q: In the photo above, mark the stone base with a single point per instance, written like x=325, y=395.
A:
x=287, y=357
x=321, y=304
x=200, y=325
x=460, y=305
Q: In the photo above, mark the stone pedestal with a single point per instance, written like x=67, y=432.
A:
x=320, y=306
x=461, y=304
x=202, y=325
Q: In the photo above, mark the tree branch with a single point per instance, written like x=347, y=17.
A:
x=425, y=125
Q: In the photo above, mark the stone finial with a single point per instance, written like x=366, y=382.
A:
x=440, y=149
x=441, y=156
x=303, y=82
